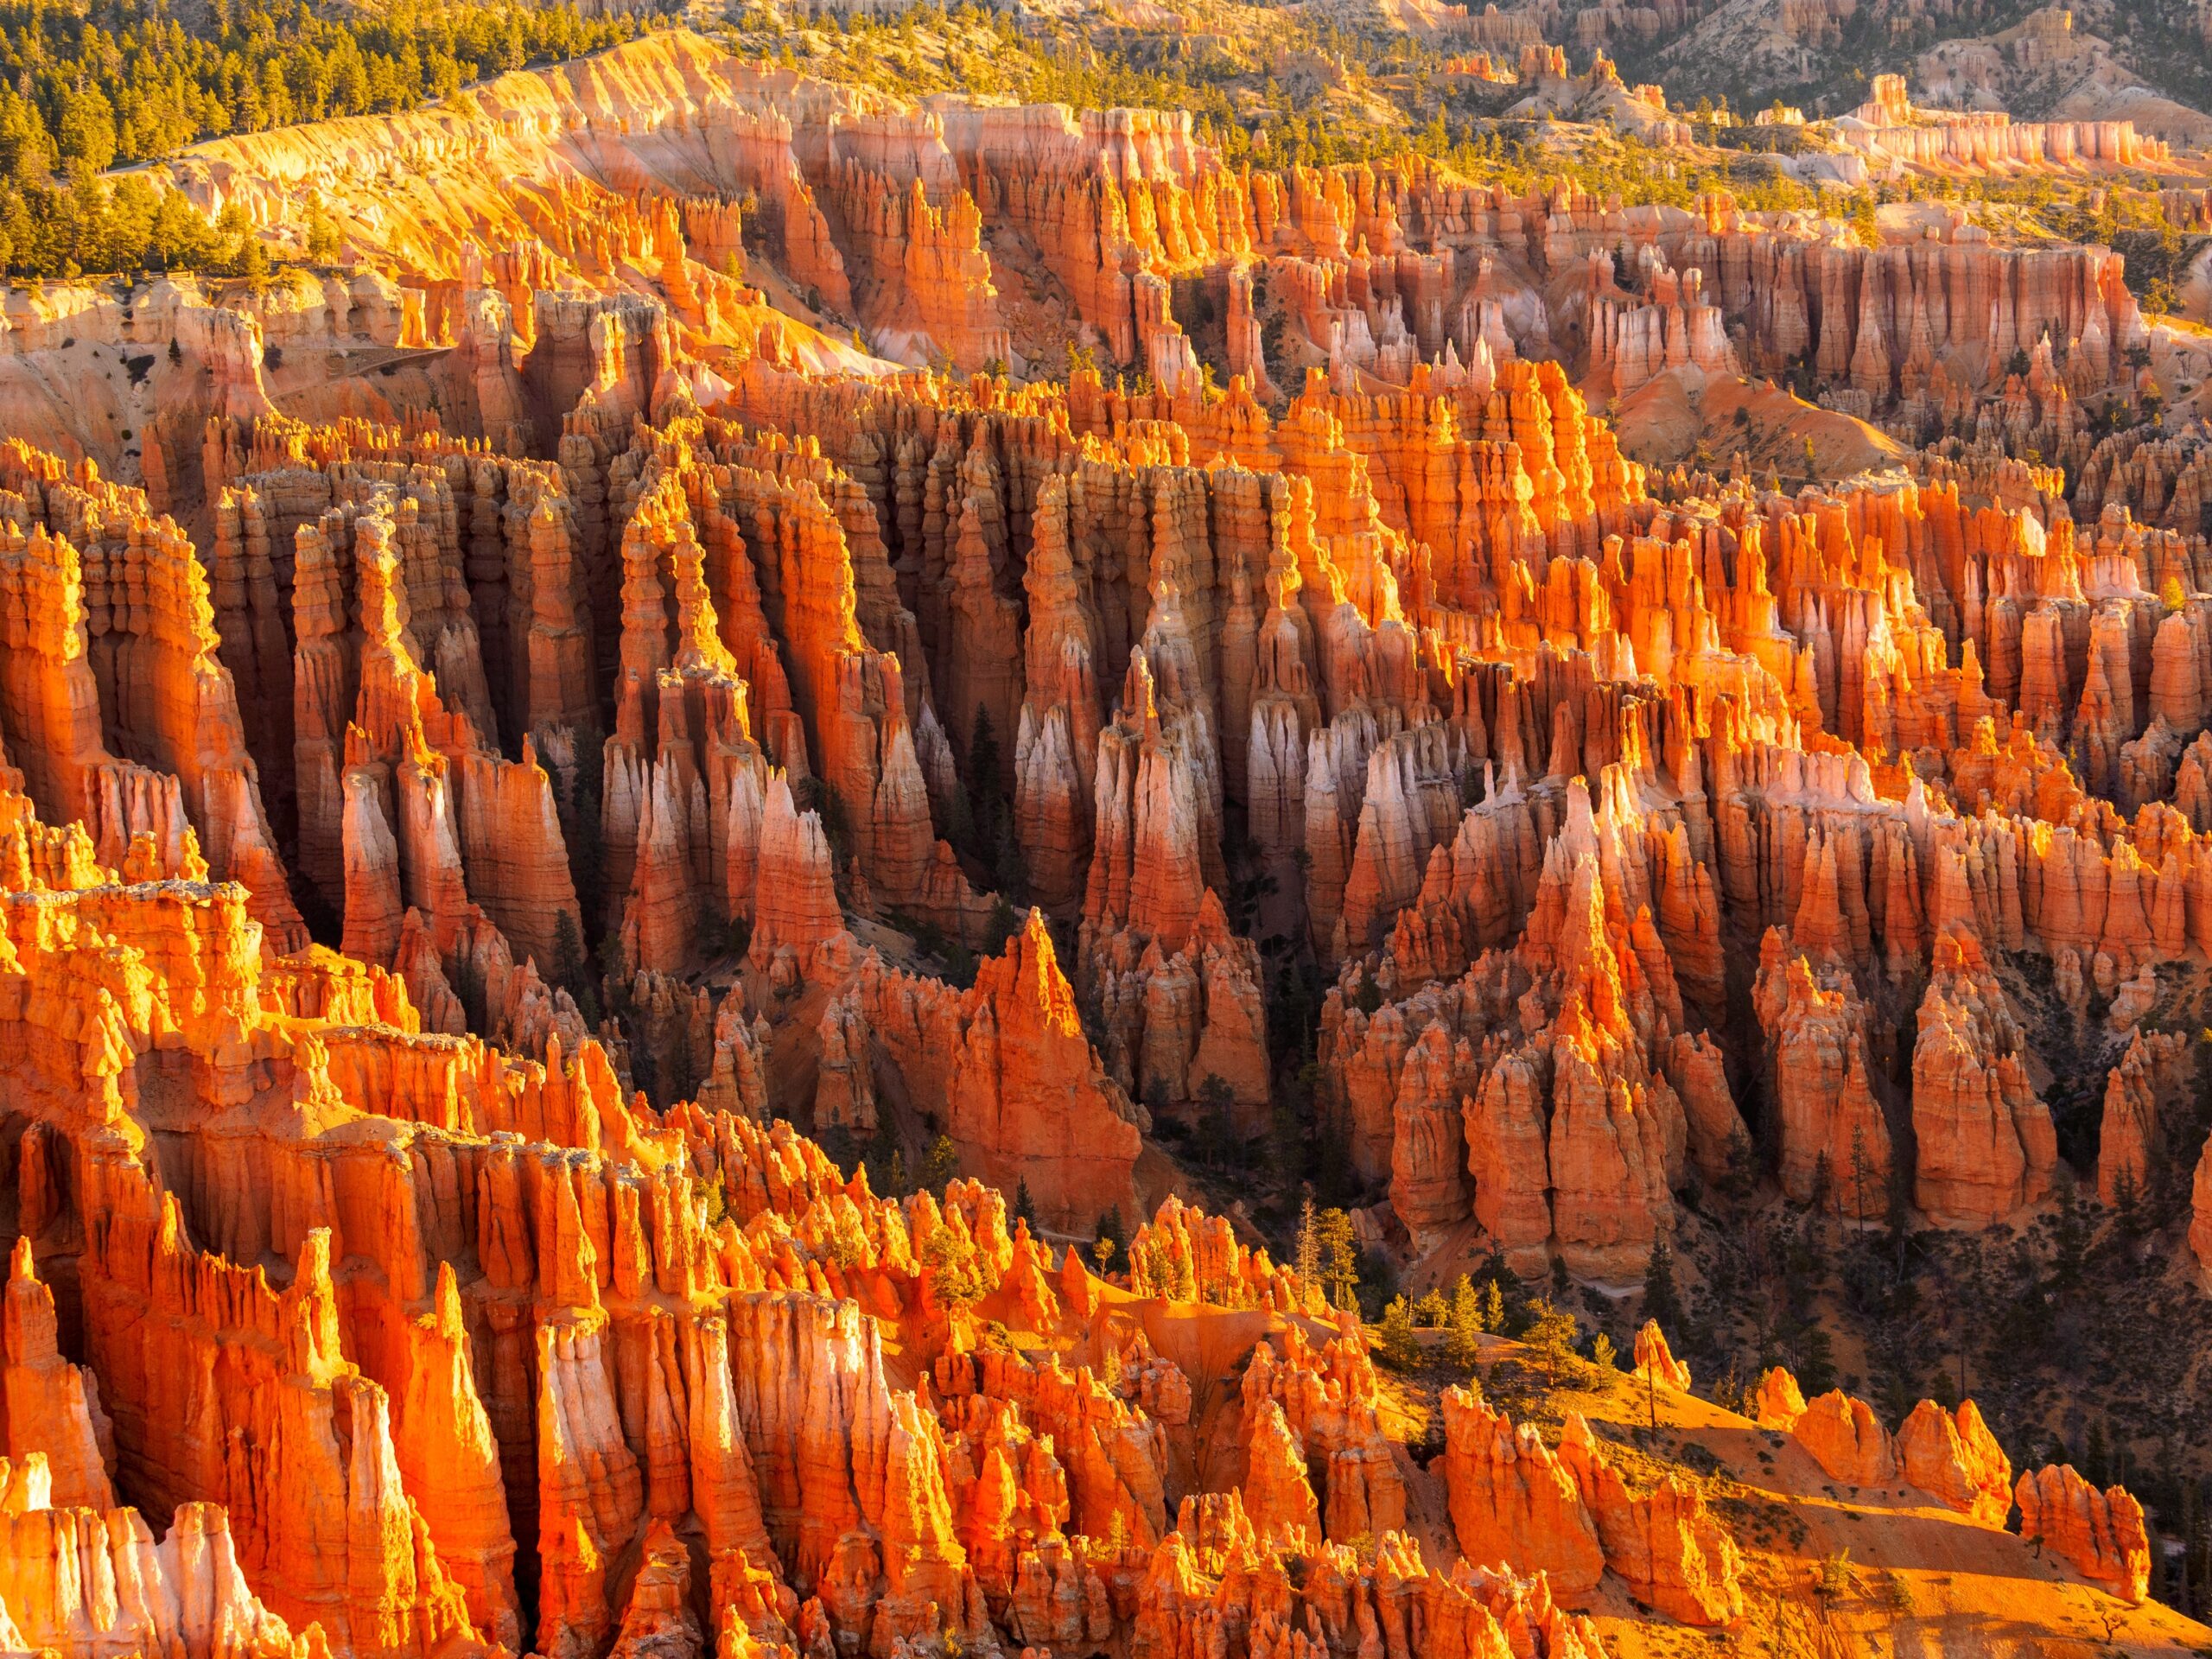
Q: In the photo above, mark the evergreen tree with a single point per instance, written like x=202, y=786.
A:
x=131, y=82
x=1815, y=1361
x=1660, y=1300
x=2096, y=1455
x=86, y=130
x=2196, y=1544
x=1110, y=1238
x=1286, y=1127
x=1550, y=1334
x=950, y=1255
x=1401, y=1348
x=1306, y=1260
x=2070, y=1238
x=1463, y=1325
x=568, y=950
x=1339, y=1253
x=2127, y=1213
x=1216, y=1135
x=323, y=240
x=986, y=793
x=1863, y=1173
x=1503, y=1299
x=942, y=1164
x=1742, y=1177
x=1006, y=922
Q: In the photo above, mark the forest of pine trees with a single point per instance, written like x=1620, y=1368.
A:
x=85, y=87
x=124, y=80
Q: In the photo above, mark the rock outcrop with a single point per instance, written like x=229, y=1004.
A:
x=1673, y=1554
x=1655, y=1363
x=1835, y=1147
x=52, y=1407
x=1514, y=1502
x=642, y=672
x=1953, y=1455
x=1006, y=1067
x=1846, y=1439
x=2099, y=1534
x=1984, y=1143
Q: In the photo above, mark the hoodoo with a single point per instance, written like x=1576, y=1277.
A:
x=1186, y=832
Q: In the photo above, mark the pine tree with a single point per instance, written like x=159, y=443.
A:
x=952, y=1256
x=323, y=239
x=1463, y=1325
x=1025, y=1207
x=986, y=797
x=1401, y=1348
x=2127, y=1214
x=2194, y=1543
x=567, y=952
x=942, y=1164
x=1493, y=1315
x=252, y=263
x=1108, y=1239
x=2069, y=1239
x=2096, y=1455
x=1550, y=1334
x=1182, y=1278
x=1660, y=1300
x=1863, y=1173
x=1816, y=1365
x=1339, y=1257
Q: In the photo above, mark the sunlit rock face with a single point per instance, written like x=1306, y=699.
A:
x=668, y=923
